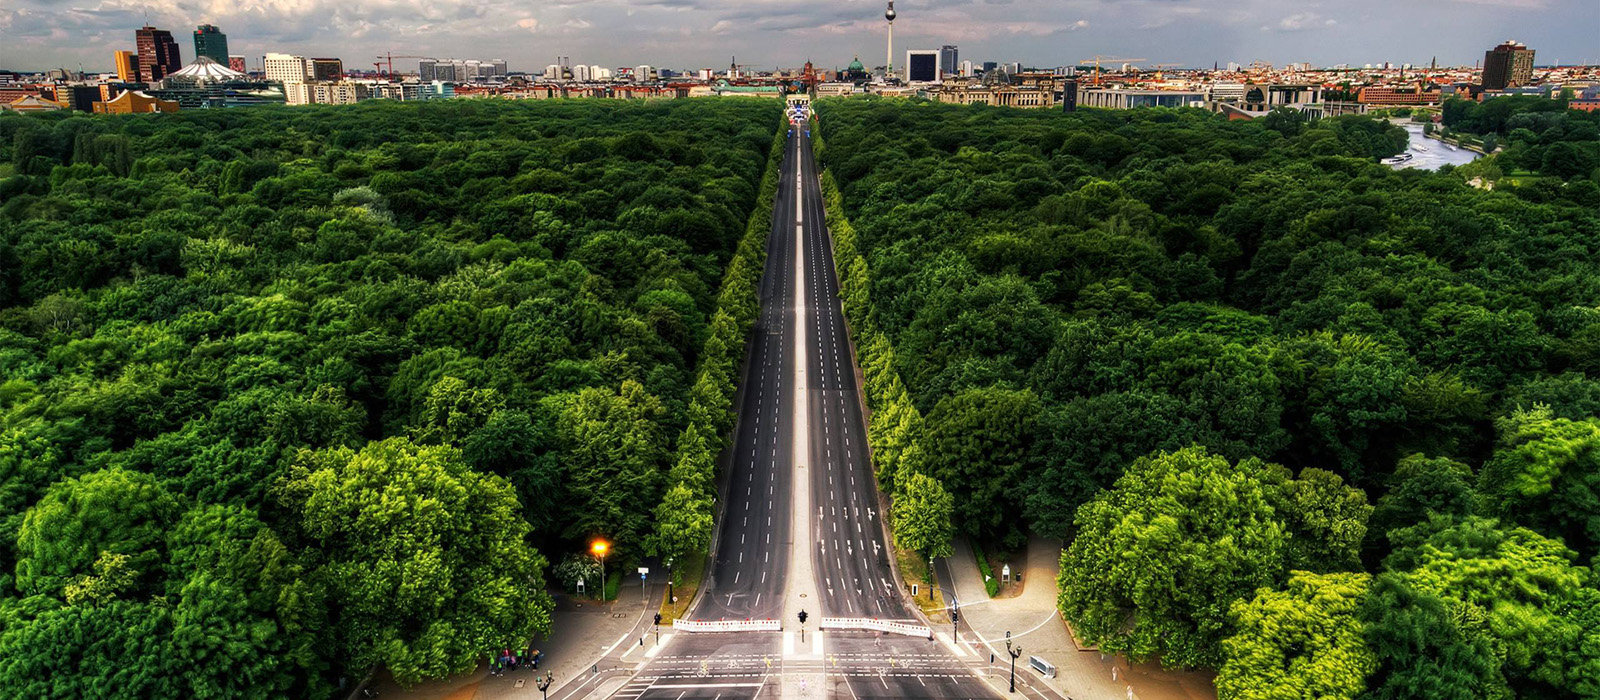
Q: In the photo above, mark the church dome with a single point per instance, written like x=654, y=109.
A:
x=855, y=64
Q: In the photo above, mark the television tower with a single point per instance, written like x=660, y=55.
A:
x=888, y=71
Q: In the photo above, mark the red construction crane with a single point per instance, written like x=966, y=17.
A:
x=388, y=59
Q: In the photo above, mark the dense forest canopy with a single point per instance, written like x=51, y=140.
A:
x=1318, y=423
x=287, y=393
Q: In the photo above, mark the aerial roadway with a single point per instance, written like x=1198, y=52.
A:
x=800, y=524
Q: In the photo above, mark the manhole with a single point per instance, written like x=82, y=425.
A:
x=619, y=615
x=519, y=683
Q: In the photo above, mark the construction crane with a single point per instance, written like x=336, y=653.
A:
x=1162, y=67
x=1109, y=59
x=388, y=60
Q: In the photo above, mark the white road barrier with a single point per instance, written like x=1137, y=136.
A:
x=909, y=629
x=727, y=625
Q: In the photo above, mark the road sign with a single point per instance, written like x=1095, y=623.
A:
x=644, y=570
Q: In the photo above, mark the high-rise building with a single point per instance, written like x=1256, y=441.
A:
x=499, y=66
x=1508, y=65
x=211, y=43
x=990, y=66
x=947, y=60
x=580, y=73
x=283, y=68
x=642, y=74
x=237, y=63
x=127, y=66
x=922, y=66
x=325, y=68
x=425, y=70
x=158, y=53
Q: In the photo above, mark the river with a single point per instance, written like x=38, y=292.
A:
x=1432, y=152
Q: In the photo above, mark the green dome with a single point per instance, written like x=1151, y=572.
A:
x=855, y=64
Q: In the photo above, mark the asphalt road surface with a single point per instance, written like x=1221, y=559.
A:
x=850, y=560
x=747, y=578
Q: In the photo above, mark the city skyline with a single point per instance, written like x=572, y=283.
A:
x=704, y=33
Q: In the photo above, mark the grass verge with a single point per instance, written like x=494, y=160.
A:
x=687, y=577
x=914, y=569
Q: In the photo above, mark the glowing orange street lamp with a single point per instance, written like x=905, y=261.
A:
x=599, y=548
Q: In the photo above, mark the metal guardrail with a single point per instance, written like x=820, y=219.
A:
x=909, y=629
x=727, y=625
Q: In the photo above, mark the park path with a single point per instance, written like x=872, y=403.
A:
x=1032, y=619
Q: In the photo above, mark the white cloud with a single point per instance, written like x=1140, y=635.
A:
x=38, y=34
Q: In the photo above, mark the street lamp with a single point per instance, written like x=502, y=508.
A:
x=599, y=548
x=668, y=563
x=1014, y=652
x=543, y=683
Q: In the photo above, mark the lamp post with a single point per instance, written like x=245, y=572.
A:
x=599, y=548
x=543, y=683
x=668, y=563
x=1014, y=652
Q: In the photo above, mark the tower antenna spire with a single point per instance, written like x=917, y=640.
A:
x=888, y=66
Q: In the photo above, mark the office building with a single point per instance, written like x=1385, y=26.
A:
x=948, y=65
x=580, y=73
x=127, y=63
x=966, y=69
x=211, y=43
x=326, y=93
x=1391, y=95
x=425, y=70
x=922, y=66
x=1130, y=99
x=325, y=68
x=990, y=66
x=643, y=74
x=1508, y=65
x=499, y=66
x=283, y=68
x=236, y=63
x=158, y=53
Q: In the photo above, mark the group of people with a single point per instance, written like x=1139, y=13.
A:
x=508, y=660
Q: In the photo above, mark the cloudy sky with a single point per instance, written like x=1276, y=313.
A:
x=36, y=34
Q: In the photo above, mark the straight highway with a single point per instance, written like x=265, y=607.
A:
x=800, y=523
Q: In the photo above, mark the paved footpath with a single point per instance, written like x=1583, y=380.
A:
x=1035, y=625
x=585, y=634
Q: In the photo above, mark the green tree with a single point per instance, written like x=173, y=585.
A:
x=1162, y=555
x=979, y=441
x=615, y=453
x=683, y=525
x=426, y=562
x=110, y=511
x=1305, y=641
x=922, y=515
x=1545, y=474
x=1518, y=583
x=1426, y=647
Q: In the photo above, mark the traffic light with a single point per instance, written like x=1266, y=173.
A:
x=802, y=617
x=658, y=619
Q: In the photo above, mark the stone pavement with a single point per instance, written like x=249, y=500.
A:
x=583, y=634
x=1034, y=623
